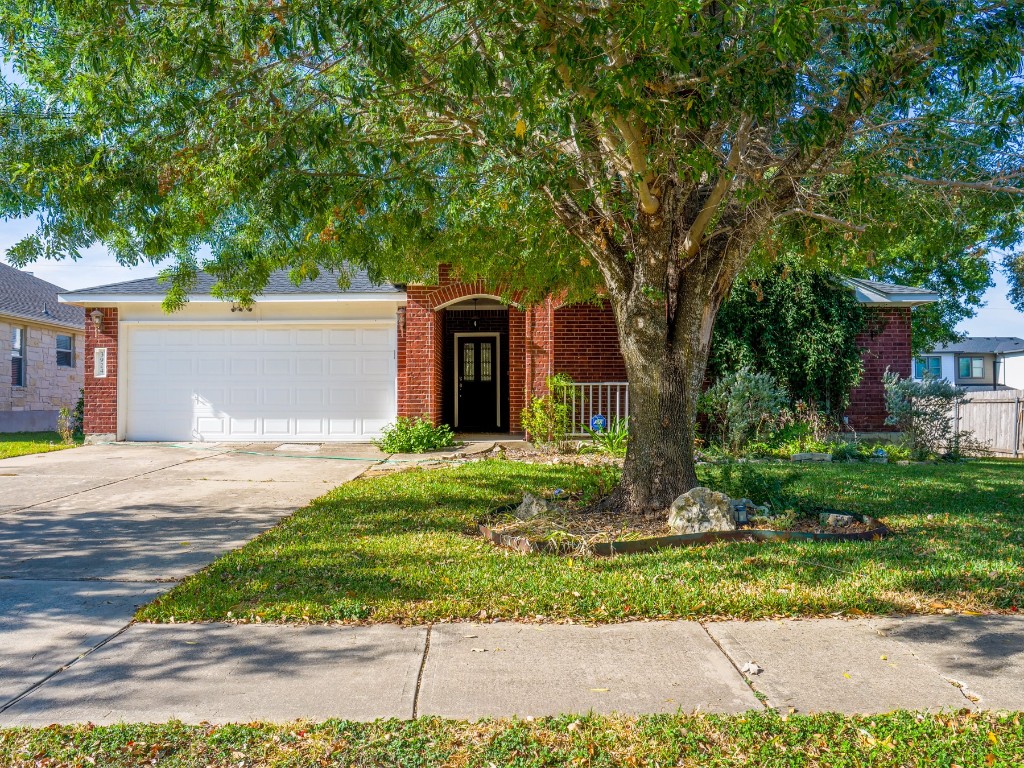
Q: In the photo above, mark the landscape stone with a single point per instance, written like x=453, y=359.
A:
x=832, y=519
x=700, y=510
x=531, y=507
x=811, y=456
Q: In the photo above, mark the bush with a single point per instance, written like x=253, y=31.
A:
x=420, y=435
x=66, y=425
x=922, y=410
x=745, y=407
x=79, y=414
x=548, y=420
x=612, y=441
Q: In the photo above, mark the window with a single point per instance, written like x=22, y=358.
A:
x=468, y=362
x=65, y=350
x=17, y=357
x=972, y=367
x=485, y=362
x=928, y=366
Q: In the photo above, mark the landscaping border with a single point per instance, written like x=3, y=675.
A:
x=607, y=548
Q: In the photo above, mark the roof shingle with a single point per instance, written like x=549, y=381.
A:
x=26, y=297
x=279, y=284
x=983, y=345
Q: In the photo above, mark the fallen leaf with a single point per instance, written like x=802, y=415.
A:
x=847, y=675
x=993, y=738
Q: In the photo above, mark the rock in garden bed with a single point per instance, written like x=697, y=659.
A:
x=569, y=526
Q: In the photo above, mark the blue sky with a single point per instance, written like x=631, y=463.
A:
x=98, y=267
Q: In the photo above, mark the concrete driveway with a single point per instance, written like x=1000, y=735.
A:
x=89, y=534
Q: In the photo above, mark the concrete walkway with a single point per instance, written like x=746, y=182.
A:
x=223, y=673
x=87, y=535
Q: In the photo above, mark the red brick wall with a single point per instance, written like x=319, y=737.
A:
x=416, y=353
x=886, y=344
x=101, y=394
x=421, y=350
x=516, y=368
x=586, y=343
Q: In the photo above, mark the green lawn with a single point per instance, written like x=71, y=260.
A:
x=402, y=548
x=21, y=443
x=756, y=739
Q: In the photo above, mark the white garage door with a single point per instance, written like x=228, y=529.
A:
x=265, y=382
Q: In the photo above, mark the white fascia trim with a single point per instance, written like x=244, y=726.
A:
x=103, y=299
x=383, y=322
x=867, y=295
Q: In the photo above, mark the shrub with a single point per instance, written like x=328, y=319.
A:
x=745, y=407
x=612, y=440
x=419, y=435
x=80, y=414
x=922, y=410
x=66, y=425
x=548, y=419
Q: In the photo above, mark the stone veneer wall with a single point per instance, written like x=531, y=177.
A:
x=48, y=387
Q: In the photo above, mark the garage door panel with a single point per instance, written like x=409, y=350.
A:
x=277, y=338
x=220, y=383
x=342, y=338
x=244, y=366
x=238, y=398
x=214, y=366
x=277, y=366
x=178, y=366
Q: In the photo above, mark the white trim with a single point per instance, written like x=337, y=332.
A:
x=103, y=299
x=866, y=295
x=496, y=335
x=470, y=297
x=257, y=321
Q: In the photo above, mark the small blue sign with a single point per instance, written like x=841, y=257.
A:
x=598, y=422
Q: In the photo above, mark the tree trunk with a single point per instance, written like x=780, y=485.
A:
x=665, y=338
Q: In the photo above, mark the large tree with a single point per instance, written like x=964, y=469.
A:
x=646, y=146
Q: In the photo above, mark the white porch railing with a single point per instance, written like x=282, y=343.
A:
x=590, y=398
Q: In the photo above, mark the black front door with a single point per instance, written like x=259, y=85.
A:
x=477, y=376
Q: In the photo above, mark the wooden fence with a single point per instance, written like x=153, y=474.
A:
x=996, y=419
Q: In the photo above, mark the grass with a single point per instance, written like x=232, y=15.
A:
x=402, y=548
x=23, y=443
x=761, y=739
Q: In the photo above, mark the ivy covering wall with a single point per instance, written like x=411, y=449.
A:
x=799, y=325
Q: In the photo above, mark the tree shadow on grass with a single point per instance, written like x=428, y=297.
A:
x=395, y=546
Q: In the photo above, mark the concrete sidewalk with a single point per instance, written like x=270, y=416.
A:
x=223, y=673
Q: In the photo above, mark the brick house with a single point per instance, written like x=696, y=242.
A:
x=41, y=348
x=316, y=363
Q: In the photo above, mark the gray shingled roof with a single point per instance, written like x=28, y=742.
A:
x=280, y=284
x=983, y=345
x=26, y=297
x=890, y=289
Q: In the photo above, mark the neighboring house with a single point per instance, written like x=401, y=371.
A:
x=318, y=364
x=41, y=346
x=976, y=362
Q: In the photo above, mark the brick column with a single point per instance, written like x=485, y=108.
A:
x=885, y=342
x=101, y=394
x=419, y=357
